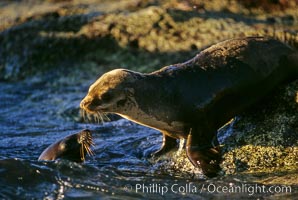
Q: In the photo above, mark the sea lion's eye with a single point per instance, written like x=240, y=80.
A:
x=106, y=97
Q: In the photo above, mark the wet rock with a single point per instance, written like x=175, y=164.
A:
x=286, y=179
x=93, y=38
x=264, y=138
x=137, y=35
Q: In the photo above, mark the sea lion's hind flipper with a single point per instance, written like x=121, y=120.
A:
x=168, y=143
x=202, y=153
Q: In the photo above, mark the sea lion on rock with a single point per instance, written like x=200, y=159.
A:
x=73, y=147
x=193, y=99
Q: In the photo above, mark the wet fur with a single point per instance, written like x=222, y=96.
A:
x=73, y=147
x=192, y=100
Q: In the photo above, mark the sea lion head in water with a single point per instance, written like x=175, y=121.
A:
x=73, y=147
x=111, y=93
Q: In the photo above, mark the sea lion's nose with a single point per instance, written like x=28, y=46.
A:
x=84, y=103
x=90, y=104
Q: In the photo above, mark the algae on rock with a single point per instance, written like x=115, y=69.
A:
x=265, y=138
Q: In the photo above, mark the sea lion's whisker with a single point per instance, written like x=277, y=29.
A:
x=86, y=143
x=82, y=153
x=88, y=150
x=106, y=117
x=99, y=120
x=89, y=117
x=90, y=142
x=83, y=114
x=100, y=115
x=96, y=118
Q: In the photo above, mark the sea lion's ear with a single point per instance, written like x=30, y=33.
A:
x=129, y=92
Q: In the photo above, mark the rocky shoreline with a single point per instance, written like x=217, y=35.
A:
x=43, y=37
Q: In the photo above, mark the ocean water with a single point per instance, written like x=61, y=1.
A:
x=38, y=111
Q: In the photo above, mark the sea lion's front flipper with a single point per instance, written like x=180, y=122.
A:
x=202, y=152
x=168, y=143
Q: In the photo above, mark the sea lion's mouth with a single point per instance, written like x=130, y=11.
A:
x=86, y=141
x=91, y=105
x=97, y=116
x=94, y=110
x=91, y=111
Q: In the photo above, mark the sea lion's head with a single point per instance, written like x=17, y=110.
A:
x=73, y=147
x=111, y=93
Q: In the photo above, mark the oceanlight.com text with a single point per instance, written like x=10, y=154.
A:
x=193, y=188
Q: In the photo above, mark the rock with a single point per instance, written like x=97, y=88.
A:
x=265, y=137
x=137, y=35
x=63, y=37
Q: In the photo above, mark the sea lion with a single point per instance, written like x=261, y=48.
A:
x=193, y=99
x=73, y=147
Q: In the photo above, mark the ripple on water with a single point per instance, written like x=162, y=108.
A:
x=29, y=123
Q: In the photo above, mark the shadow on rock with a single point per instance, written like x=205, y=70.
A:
x=264, y=138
